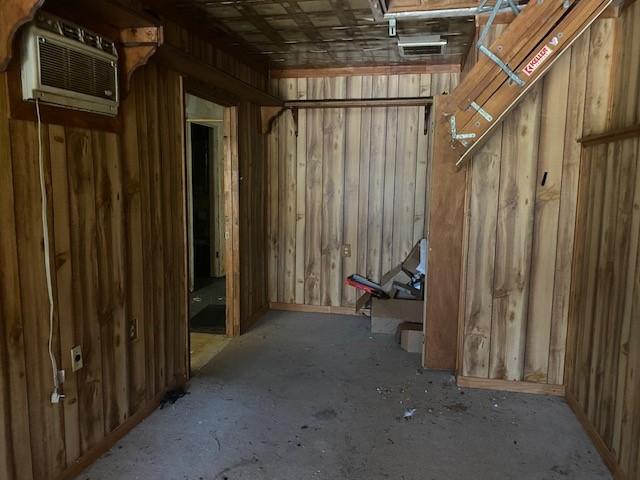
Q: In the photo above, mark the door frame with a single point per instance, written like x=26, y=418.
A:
x=231, y=188
x=232, y=219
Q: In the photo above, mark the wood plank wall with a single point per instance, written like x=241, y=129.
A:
x=252, y=281
x=605, y=316
x=521, y=212
x=116, y=210
x=603, y=359
x=117, y=227
x=355, y=177
x=192, y=43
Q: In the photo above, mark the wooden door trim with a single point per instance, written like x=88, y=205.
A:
x=232, y=222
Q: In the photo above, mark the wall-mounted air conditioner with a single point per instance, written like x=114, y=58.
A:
x=68, y=66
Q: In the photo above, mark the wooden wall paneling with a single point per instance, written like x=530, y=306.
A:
x=314, y=200
x=351, y=187
x=165, y=203
x=621, y=413
x=333, y=195
x=234, y=169
x=16, y=462
x=273, y=249
x=362, y=255
x=603, y=384
x=246, y=219
x=425, y=91
x=483, y=213
x=232, y=194
x=110, y=244
x=251, y=204
x=64, y=285
x=622, y=260
x=628, y=64
x=422, y=171
x=84, y=264
x=283, y=217
x=218, y=201
x=406, y=180
x=146, y=182
x=180, y=249
x=604, y=276
x=558, y=347
x=6, y=460
x=45, y=419
x=377, y=156
x=546, y=214
x=514, y=239
x=156, y=240
x=596, y=178
x=630, y=449
x=599, y=77
x=301, y=192
x=289, y=90
x=177, y=330
x=134, y=272
x=371, y=188
x=446, y=199
x=630, y=446
x=389, y=180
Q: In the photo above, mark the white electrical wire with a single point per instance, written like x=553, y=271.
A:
x=47, y=258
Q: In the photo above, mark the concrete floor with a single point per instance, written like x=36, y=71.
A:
x=205, y=346
x=308, y=396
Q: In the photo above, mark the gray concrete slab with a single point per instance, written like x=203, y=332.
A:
x=309, y=396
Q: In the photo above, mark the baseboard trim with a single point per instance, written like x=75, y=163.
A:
x=291, y=307
x=607, y=455
x=509, y=386
x=103, y=446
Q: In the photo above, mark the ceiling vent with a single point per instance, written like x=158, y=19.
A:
x=416, y=46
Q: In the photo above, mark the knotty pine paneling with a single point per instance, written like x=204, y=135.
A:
x=118, y=235
x=521, y=214
x=603, y=356
x=605, y=311
x=356, y=177
x=107, y=259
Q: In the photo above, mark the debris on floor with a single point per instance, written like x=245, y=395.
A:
x=409, y=413
x=457, y=407
x=172, y=396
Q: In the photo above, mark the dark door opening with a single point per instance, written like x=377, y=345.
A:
x=205, y=154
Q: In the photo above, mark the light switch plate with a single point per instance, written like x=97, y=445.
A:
x=76, y=358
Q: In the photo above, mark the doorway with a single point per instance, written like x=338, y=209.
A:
x=206, y=235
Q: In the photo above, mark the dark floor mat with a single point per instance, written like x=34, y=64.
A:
x=210, y=320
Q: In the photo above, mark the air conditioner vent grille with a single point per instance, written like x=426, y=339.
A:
x=67, y=69
x=422, y=50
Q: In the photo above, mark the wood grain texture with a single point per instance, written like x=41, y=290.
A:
x=361, y=182
x=603, y=376
x=446, y=219
x=117, y=228
x=522, y=262
x=603, y=350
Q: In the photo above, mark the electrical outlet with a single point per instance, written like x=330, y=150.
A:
x=76, y=358
x=346, y=250
x=133, y=329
